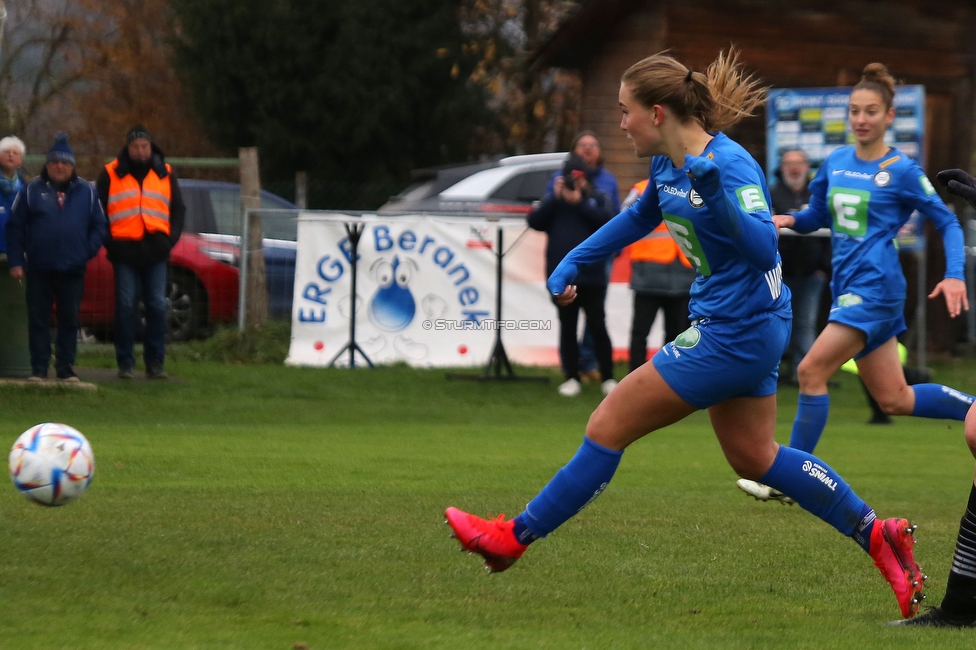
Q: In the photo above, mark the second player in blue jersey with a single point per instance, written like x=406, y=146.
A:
x=865, y=193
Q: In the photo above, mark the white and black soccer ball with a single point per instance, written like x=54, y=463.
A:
x=52, y=464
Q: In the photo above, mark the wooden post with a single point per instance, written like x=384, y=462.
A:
x=301, y=190
x=256, y=304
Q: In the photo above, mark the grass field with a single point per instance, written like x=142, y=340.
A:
x=258, y=506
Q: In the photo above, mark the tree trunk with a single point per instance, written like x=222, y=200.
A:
x=256, y=303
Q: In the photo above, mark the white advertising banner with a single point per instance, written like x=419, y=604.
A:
x=426, y=291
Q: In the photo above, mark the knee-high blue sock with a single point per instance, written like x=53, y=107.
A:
x=822, y=491
x=811, y=418
x=569, y=491
x=941, y=402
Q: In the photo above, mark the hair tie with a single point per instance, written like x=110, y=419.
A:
x=688, y=76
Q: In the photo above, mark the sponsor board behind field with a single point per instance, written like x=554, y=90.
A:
x=426, y=291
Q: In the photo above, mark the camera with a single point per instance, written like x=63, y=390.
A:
x=574, y=169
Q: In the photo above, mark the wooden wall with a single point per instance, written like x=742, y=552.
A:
x=642, y=34
x=803, y=44
x=798, y=44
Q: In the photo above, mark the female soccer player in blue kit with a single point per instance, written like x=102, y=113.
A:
x=864, y=193
x=713, y=197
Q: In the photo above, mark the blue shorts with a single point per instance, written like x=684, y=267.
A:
x=878, y=320
x=716, y=360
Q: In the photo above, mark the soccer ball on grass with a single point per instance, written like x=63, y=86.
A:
x=52, y=464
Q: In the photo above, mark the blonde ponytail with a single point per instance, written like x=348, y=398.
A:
x=717, y=99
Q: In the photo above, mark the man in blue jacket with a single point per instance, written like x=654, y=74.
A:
x=55, y=226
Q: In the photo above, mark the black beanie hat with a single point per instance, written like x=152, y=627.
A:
x=137, y=132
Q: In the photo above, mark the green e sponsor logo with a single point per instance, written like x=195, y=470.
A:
x=751, y=198
x=926, y=185
x=683, y=233
x=850, y=210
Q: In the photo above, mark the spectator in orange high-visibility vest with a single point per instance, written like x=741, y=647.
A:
x=145, y=212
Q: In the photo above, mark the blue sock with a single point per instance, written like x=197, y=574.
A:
x=811, y=418
x=941, y=402
x=821, y=491
x=569, y=491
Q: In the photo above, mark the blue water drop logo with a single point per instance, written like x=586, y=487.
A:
x=392, y=307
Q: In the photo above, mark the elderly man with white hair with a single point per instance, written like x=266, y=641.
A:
x=12, y=152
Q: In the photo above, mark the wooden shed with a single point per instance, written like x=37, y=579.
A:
x=801, y=43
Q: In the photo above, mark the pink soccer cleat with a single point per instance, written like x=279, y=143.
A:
x=891, y=547
x=493, y=539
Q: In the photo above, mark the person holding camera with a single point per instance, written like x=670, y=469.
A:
x=572, y=211
x=587, y=146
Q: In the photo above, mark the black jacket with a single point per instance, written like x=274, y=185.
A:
x=802, y=255
x=568, y=225
x=153, y=247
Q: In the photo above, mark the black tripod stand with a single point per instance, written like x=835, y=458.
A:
x=498, y=358
x=355, y=231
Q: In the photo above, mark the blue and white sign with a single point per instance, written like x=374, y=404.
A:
x=815, y=120
x=426, y=290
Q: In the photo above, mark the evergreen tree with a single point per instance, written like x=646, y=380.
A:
x=349, y=90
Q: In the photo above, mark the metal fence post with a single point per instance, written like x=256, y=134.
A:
x=242, y=279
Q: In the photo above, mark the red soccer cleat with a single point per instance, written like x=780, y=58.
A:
x=493, y=539
x=891, y=547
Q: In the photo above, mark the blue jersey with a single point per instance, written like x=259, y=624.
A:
x=738, y=276
x=727, y=286
x=865, y=203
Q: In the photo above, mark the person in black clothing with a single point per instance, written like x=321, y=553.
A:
x=570, y=213
x=806, y=260
x=145, y=211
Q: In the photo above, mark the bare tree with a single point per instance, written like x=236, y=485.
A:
x=36, y=66
x=128, y=79
x=93, y=68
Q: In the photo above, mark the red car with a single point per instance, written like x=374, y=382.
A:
x=202, y=289
x=202, y=286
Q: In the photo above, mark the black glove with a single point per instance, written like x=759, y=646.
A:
x=959, y=183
